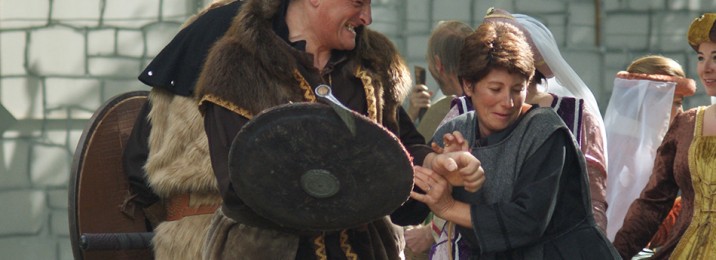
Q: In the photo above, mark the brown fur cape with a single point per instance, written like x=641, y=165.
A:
x=252, y=68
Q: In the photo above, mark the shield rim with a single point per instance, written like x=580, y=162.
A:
x=79, y=160
x=307, y=105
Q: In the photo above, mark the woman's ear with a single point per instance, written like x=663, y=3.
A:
x=467, y=87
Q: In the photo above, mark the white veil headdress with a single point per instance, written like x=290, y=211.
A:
x=637, y=119
x=565, y=82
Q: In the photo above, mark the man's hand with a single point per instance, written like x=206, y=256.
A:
x=438, y=192
x=437, y=195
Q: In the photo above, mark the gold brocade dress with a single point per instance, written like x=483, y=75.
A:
x=699, y=240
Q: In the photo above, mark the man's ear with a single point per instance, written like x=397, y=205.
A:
x=438, y=64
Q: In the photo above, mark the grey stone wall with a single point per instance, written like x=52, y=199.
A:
x=597, y=38
x=61, y=59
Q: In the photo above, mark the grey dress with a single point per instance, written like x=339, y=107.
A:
x=535, y=203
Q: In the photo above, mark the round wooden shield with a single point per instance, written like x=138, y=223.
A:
x=300, y=167
x=98, y=185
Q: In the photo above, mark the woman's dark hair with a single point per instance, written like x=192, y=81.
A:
x=496, y=45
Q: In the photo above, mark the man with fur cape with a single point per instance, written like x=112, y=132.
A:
x=275, y=52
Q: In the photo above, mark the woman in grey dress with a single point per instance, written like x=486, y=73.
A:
x=535, y=201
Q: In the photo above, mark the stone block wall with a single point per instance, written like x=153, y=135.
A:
x=597, y=38
x=61, y=59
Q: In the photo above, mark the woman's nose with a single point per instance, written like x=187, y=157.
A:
x=710, y=66
x=508, y=102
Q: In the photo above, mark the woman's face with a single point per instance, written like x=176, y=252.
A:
x=497, y=100
x=706, y=67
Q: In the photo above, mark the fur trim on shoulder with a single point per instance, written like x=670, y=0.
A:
x=378, y=55
x=264, y=9
x=241, y=60
x=375, y=49
x=178, y=159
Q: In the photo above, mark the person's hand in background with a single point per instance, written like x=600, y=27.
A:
x=420, y=97
x=418, y=238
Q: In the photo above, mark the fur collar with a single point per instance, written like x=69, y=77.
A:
x=252, y=67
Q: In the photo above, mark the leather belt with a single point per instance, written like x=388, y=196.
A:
x=178, y=208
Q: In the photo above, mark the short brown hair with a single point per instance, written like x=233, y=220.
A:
x=495, y=45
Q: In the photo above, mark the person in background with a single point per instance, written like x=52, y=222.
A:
x=653, y=66
x=311, y=43
x=534, y=203
x=685, y=162
x=443, y=55
x=646, y=97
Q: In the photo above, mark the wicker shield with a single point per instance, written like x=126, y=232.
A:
x=299, y=166
x=98, y=185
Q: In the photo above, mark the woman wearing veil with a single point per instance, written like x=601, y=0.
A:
x=686, y=162
x=645, y=100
